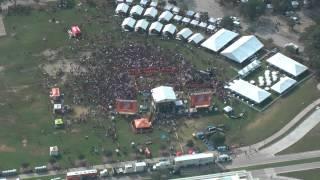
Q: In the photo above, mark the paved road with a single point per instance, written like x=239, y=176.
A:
x=294, y=136
x=260, y=159
x=273, y=173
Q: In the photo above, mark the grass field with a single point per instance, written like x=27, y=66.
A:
x=26, y=130
x=305, y=175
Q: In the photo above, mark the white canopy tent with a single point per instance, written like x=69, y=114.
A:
x=136, y=10
x=155, y=28
x=186, y=20
x=144, y=2
x=211, y=27
x=203, y=25
x=242, y=49
x=249, y=68
x=196, y=38
x=169, y=29
x=129, y=2
x=163, y=94
x=185, y=33
x=287, y=64
x=142, y=24
x=128, y=23
x=194, y=22
x=154, y=4
x=284, y=84
x=165, y=16
x=176, y=10
x=151, y=12
x=249, y=91
x=218, y=40
x=177, y=18
x=122, y=8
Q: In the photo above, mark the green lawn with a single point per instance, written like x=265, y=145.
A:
x=313, y=174
x=26, y=130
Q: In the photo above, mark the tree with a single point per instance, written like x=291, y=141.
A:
x=227, y=22
x=190, y=143
x=281, y=6
x=311, y=40
x=218, y=139
x=253, y=8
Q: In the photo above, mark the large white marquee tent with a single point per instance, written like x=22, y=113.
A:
x=249, y=91
x=287, y=64
x=242, y=49
x=218, y=40
x=163, y=94
x=284, y=84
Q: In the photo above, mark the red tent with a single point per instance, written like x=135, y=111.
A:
x=141, y=125
x=75, y=31
x=179, y=153
x=55, y=92
x=200, y=100
x=126, y=106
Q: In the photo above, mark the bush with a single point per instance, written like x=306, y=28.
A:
x=19, y=10
x=190, y=143
x=218, y=139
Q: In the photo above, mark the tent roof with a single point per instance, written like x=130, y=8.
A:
x=196, y=38
x=287, y=64
x=249, y=91
x=55, y=92
x=284, y=84
x=163, y=94
x=199, y=100
x=151, y=11
x=184, y=33
x=137, y=9
x=129, y=21
x=242, y=49
x=177, y=18
x=166, y=16
x=218, y=40
x=142, y=123
x=169, y=28
x=156, y=26
x=186, y=20
x=126, y=106
x=142, y=23
x=122, y=7
x=58, y=121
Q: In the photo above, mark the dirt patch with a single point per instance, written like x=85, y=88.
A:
x=2, y=27
x=18, y=88
x=79, y=110
x=1, y=68
x=50, y=54
x=213, y=8
x=5, y=148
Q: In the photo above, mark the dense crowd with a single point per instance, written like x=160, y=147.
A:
x=110, y=74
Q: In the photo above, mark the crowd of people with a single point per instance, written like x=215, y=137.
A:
x=111, y=73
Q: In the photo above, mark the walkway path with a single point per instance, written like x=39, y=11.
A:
x=2, y=27
x=295, y=135
x=285, y=129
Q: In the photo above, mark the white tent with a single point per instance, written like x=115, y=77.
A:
x=163, y=94
x=196, y=38
x=284, y=84
x=155, y=28
x=154, y=4
x=144, y=2
x=218, y=40
x=136, y=10
x=165, y=16
x=211, y=27
x=168, y=7
x=202, y=24
x=186, y=20
x=287, y=64
x=128, y=23
x=176, y=10
x=194, y=22
x=169, y=29
x=177, y=18
x=212, y=20
x=242, y=49
x=142, y=24
x=122, y=8
x=129, y=2
x=151, y=12
x=185, y=33
x=249, y=91
x=190, y=13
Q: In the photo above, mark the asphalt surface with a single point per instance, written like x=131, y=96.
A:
x=275, y=173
